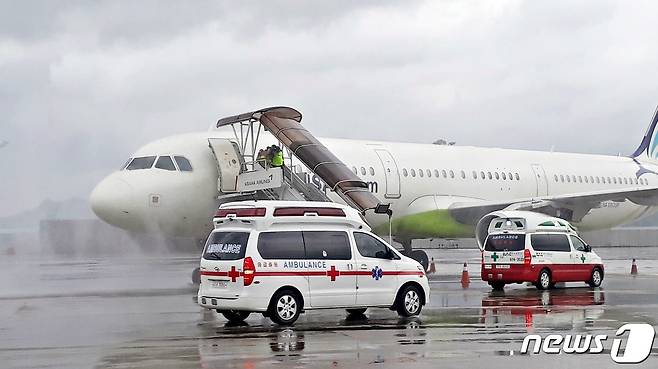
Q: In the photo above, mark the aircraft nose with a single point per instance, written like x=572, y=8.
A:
x=112, y=201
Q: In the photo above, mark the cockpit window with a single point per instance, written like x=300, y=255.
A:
x=144, y=162
x=126, y=163
x=165, y=162
x=183, y=164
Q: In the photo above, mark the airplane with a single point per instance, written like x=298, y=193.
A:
x=173, y=186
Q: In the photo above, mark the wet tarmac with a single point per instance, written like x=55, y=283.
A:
x=140, y=313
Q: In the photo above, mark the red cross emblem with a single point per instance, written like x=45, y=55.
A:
x=333, y=273
x=233, y=274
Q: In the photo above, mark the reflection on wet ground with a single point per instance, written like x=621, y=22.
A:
x=140, y=313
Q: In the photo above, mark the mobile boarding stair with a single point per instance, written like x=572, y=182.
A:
x=243, y=176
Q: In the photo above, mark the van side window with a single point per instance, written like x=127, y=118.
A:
x=550, y=242
x=370, y=247
x=327, y=245
x=226, y=246
x=577, y=243
x=281, y=245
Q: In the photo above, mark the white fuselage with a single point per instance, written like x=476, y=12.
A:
x=450, y=174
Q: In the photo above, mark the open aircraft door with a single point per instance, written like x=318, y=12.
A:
x=227, y=155
x=391, y=173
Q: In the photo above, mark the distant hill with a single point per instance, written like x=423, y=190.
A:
x=75, y=208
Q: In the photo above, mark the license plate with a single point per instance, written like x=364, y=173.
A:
x=502, y=266
x=219, y=284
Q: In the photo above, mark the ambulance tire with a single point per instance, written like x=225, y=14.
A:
x=235, y=316
x=356, y=312
x=497, y=286
x=544, y=281
x=596, y=278
x=409, y=301
x=285, y=307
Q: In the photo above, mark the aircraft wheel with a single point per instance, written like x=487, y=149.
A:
x=497, y=286
x=196, y=276
x=235, y=316
x=359, y=311
x=421, y=257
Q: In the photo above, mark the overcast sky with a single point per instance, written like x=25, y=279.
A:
x=85, y=83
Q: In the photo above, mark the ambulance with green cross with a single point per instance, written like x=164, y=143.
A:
x=523, y=246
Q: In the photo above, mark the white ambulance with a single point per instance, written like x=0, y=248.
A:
x=280, y=258
x=523, y=246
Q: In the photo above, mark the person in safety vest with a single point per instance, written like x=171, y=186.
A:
x=277, y=156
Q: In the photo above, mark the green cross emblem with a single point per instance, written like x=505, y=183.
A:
x=582, y=258
x=494, y=257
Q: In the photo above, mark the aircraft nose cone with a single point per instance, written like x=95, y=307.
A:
x=112, y=201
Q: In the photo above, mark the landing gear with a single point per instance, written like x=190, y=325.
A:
x=196, y=273
x=356, y=312
x=497, y=286
x=406, y=245
x=235, y=316
x=196, y=276
x=418, y=255
x=421, y=257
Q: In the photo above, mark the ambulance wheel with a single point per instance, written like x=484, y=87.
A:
x=409, y=301
x=596, y=279
x=285, y=307
x=544, y=280
x=235, y=316
x=356, y=312
x=196, y=276
x=497, y=286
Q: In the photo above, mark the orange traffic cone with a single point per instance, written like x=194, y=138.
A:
x=634, y=268
x=432, y=269
x=465, y=279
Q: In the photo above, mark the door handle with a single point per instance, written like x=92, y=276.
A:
x=364, y=266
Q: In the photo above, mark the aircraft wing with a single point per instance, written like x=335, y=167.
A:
x=571, y=207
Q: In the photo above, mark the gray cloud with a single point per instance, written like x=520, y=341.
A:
x=83, y=84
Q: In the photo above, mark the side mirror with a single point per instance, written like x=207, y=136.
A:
x=588, y=248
